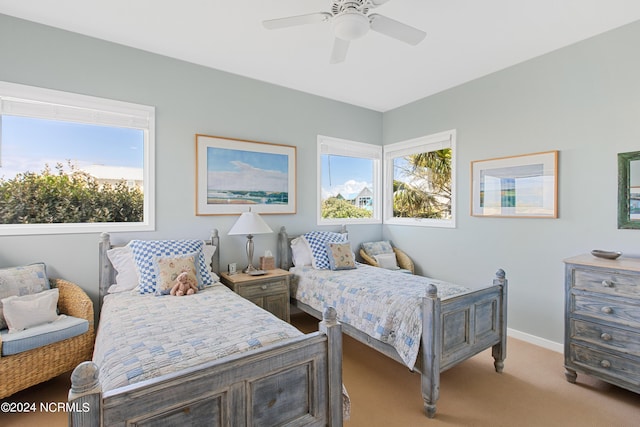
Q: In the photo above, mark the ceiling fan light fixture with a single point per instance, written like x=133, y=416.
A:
x=350, y=25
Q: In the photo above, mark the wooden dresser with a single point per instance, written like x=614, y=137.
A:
x=602, y=320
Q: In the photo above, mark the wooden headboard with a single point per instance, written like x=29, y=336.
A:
x=107, y=273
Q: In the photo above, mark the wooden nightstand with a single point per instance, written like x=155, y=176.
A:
x=269, y=291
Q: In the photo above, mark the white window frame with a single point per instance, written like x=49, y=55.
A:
x=347, y=148
x=423, y=144
x=30, y=101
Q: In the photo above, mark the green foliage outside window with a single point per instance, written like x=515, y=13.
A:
x=67, y=197
x=425, y=201
x=338, y=207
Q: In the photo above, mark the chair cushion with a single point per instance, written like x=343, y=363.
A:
x=387, y=261
x=376, y=248
x=27, y=311
x=41, y=335
x=23, y=280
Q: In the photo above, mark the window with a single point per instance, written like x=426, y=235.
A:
x=73, y=163
x=420, y=181
x=348, y=182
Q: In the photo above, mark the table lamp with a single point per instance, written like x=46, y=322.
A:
x=250, y=223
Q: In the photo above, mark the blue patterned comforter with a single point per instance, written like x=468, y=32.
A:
x=382, y=303
x=145, y=336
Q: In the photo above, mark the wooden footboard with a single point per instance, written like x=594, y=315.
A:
x=453, y=331
x=458, y=328
x=296, y=382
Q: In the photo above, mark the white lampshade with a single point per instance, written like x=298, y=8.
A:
x=250, y=223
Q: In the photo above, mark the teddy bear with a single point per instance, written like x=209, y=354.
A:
x=186, y=284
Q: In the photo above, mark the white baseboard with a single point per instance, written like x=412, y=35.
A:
x=532, y=339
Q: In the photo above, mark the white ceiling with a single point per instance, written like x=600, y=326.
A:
x=466, y=39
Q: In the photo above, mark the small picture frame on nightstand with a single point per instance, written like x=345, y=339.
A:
x=232, y=268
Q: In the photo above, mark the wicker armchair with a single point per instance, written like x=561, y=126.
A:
x=23, y=370
x=404, y=262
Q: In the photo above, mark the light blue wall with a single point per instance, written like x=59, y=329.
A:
x=189, y=99
x=583, y=100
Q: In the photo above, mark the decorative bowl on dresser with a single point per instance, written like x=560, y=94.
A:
x=602, y=319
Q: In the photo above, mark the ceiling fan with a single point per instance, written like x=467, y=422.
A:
x=351, y=20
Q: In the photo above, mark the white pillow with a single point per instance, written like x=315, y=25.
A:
x=22, y=312
x=387, y=261
x=300, y=252
x=209, y=251
x=126, y=273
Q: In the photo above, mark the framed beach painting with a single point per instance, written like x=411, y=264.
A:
x=233, y=175
x=517, y=186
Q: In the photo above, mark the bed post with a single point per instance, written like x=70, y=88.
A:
x=431, y=349
x=106, y=272
x=331, y=328
x=215, y=258
x=85, y=396
x=499, y=351
x=283, y=249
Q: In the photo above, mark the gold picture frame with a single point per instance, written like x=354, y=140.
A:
x=523, y=186
x=234, y=174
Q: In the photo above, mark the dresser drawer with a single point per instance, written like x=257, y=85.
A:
x=265, y=288
x=605, y=336
x=606, y=364
x=602, y=319
x=607, y=282
x=609, y=310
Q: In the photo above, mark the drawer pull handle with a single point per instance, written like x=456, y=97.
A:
x=607, y=283
x=607, y=310
x=263, y=287
x=605, y=364
x=605, y=337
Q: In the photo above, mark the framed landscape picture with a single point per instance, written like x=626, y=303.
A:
x=233, y=175
x=517, y=186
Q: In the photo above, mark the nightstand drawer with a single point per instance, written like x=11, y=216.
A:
x=269, y=291
x=606, y=282
x=252, y=290
x=606, y=364
x=608, y=310
x=607, y=337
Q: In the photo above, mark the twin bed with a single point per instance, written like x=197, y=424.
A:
x=426, y=324
x=214, y=358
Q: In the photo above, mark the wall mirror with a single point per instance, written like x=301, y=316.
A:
x=629, y=190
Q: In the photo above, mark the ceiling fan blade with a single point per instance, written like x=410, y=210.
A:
x=310, y=18
x=339, y=52
x=397, y=30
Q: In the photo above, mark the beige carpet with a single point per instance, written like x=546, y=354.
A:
x=532, y=391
